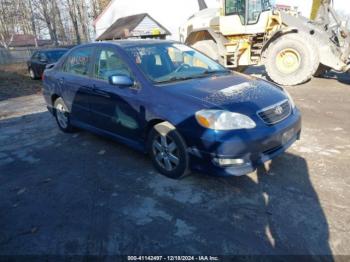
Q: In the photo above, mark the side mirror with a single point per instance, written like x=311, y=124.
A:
x=121, y=80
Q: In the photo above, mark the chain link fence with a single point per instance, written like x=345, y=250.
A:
x=18, y=55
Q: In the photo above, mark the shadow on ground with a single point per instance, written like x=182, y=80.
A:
x=260, y=71
x=343, y=78
x=81, y=194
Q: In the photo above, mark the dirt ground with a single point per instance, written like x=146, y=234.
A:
x=14, y=82
x=79, y=194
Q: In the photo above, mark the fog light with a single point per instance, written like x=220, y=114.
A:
x=228, y=162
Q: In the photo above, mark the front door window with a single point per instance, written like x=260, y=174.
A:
x=108, y=64
x=248, y=10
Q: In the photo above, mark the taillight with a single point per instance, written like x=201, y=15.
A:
x=43, y=76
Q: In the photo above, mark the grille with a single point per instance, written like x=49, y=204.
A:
x=276, y=113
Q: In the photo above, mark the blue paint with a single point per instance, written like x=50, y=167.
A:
x=124, y=113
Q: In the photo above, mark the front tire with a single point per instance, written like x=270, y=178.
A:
x=291, y=59
x=32, y=74
x=62, y=116
x=167, y=150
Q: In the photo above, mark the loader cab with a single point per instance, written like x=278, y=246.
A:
x=244, y=16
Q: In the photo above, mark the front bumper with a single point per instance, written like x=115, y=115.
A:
x=252, y=148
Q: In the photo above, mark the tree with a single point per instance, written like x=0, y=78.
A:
x=63, y=21
x=72, y=9
x=8, y=21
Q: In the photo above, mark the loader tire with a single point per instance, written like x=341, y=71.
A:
x=210, y=49
x=291, y=59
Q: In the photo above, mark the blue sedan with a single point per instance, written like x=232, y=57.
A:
x=171, y=101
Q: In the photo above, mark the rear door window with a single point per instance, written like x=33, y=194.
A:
x=78, y=61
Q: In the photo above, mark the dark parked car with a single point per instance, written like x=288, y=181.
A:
x=40, y=59
x=165, y=98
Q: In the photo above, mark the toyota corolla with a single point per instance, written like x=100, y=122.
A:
x=171, y=101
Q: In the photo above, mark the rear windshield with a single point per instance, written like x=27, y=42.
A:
x=54, y=56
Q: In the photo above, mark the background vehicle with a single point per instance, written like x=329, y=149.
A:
x=250, y=32
x=40, y=59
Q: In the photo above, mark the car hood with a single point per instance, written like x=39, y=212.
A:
x=234, y=92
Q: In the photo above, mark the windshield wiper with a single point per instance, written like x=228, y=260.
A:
x=203, y=74
x=212, y=72
x=174, y=79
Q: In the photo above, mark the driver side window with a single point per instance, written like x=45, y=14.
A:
x=108, y=63
x=236, y=7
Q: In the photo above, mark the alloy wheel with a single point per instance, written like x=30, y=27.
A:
x=32, y=74
x=166, y=152
x=62, y=115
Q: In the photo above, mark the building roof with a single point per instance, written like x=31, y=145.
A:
x=22, y=40
x=121, y=28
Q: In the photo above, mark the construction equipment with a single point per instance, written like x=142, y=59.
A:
x=251, y=32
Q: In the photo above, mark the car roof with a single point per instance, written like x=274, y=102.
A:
x=53, y=50
x=133, y=43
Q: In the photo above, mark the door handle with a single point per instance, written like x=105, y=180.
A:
x=99, y=92
x=61, y=81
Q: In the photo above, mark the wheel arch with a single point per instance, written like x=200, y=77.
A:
x=204, y=34
x=199, y=35
x=54, y=97
x=150, y=125
x=275, y=37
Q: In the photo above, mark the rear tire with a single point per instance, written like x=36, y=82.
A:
x=209, y=48
x=168, y=151
x=291, y=59
x=62, y=116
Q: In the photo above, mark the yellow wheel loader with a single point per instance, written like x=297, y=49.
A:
x=251, y=32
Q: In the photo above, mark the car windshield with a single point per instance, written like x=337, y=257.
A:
x=172, y=62
x=54, y=56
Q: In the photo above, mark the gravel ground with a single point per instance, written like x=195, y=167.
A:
x=79, y=194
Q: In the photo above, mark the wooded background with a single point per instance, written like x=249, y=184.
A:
x=65, y=22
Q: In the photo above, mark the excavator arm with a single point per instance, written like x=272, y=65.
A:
x=316, y=4
x=323, y=14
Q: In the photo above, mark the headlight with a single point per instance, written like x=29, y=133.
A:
x=290, y=99
x=224, y=120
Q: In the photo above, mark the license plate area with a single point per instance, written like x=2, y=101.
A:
x=287, y=136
